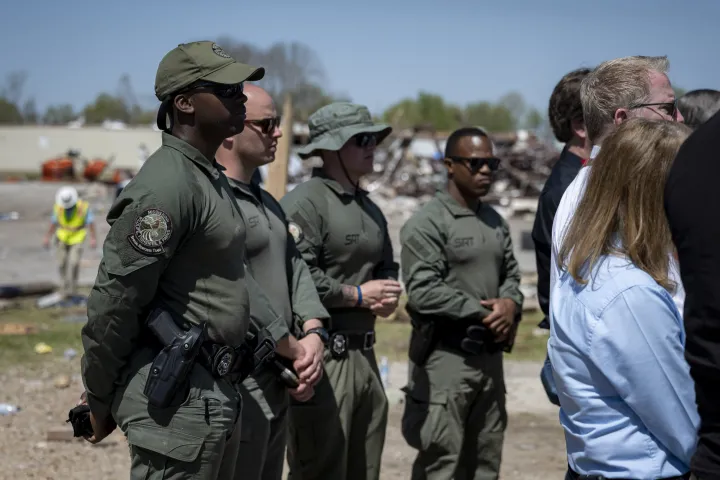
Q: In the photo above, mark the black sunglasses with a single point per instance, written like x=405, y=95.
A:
x=223, y=91
x=267, y=125
x=475, y=164
x=363, y=140
x=669, y=108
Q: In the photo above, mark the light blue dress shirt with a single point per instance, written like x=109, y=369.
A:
x=627, y=401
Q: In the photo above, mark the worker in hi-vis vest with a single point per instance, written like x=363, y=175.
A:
x=70, y=222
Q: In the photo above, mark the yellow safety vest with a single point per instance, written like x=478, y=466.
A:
x=72, y=231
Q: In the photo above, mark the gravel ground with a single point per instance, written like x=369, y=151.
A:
x=534, y=445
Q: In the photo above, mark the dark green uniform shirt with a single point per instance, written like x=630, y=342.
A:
x=276, y=265
x=175, y=237
x=274, y=261
x=344, y=240
x=453, y=257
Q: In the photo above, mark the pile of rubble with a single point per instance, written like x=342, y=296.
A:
x=411, y=165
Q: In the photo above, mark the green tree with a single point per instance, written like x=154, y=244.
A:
x=9, y=113
x=29, y=112
x=534, y=119
x=59, y=114
x=515, y=104
x=494, y=118
x=106, y=107
x=426, y=109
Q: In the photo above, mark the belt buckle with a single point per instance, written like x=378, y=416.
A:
x=223, y=361
x=369, y=340
x=338, y=344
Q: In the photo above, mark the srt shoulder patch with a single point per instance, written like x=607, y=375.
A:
x=152, y=230
x=295, y=231
x=219, y=51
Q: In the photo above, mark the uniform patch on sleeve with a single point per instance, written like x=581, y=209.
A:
x=152, y=230
x=295, y=231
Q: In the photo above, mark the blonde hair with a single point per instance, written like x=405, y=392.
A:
x=621, y=211
x=615, y=84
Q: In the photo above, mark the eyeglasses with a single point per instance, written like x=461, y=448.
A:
x=267, y=125
x=363, y=140
x=668, y=108
x=223, y=91
x=475, y=164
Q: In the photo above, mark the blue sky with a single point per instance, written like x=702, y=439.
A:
x=377, y=52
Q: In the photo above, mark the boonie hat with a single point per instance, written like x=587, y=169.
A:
x=205, y=60
x=333, y=125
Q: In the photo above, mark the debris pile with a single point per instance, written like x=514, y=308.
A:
x=409, y=164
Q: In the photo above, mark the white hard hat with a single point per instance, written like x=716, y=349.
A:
x=66, y=197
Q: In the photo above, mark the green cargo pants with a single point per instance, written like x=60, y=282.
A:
x=339, y=434
x=455, y=416
x=264, y=428
x=197, y=437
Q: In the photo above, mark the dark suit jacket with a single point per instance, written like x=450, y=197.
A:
x=692, y=204
x=563, y=173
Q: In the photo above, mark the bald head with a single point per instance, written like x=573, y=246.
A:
x=259, y=102
x=255, y=146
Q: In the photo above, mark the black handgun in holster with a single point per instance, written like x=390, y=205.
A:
x=423, y=337
x=171, y=367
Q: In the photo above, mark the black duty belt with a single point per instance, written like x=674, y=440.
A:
x=452, y=335
x=342, y=341
x=220, y=360
x=571, y=474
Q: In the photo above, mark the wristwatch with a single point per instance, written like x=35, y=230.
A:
x=321, y=332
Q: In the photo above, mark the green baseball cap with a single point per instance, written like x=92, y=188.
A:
x=190, y=62
x=333, y=125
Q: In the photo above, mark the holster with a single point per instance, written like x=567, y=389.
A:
x=172, y=365
x=423, y=338
x=261, y=348
x=180, y=350
x=468, y=336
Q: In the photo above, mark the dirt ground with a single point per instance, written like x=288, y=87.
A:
x=534, y=444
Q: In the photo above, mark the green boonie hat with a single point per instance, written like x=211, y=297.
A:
x=189, y=62
x=333, y=125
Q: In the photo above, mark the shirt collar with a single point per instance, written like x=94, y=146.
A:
x=453, y=206
x=192, y=153
x=568, y=156
x=334, y=184
x=594, y=152
x=242, y=188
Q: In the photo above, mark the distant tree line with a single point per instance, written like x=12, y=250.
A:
x=293, y=69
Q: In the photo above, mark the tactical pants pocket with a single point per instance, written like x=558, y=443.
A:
x=159, y=453
x=425, y=420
